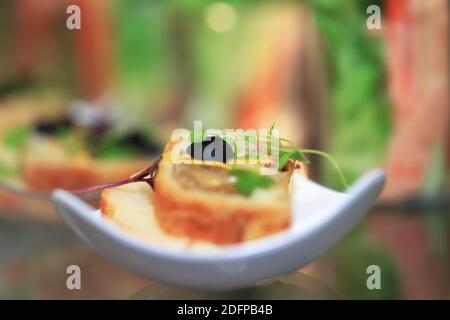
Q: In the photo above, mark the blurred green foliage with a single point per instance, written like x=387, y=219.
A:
x=360, y=112
x=143, y=53
x=165, y=44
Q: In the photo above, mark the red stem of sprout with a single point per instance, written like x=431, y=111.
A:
x=141, y=176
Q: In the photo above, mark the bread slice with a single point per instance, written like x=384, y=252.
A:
x=144, y=213
x=47, y=164
x=49, y=174
x=130, y=207
x=199, y=201
x=25, y=109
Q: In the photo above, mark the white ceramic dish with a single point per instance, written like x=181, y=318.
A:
x=322, y=217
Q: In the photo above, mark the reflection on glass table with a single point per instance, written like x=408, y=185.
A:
x=411, y=248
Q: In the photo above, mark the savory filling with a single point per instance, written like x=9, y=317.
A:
x=204, y=177
x=211, y=178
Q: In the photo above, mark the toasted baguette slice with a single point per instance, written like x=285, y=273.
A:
x=130, y=207
x=199, y=202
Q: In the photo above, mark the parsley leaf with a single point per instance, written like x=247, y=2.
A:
x=115, y=151
x=6, y=171
x=284, y=157
x=247, y=181
x=17, y=137
x=63, y=132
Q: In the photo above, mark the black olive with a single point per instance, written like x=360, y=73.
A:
x=212, y=148
x=100, y=128
x=134, y=141
x=141, y=143
x=52, y=127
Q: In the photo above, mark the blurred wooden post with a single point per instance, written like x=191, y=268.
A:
x=35, y=35
x=93, y=43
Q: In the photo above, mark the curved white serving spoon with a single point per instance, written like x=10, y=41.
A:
x=322, y=217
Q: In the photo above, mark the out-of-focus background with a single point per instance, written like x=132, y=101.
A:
x=370, y=97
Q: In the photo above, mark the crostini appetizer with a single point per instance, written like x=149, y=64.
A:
x=57, y=153
x=208, y=199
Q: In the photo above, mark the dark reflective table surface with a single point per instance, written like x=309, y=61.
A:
x=410, y=248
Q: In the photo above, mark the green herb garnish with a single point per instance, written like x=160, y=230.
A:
x=271, y=129
x=285, y=156
x=287, y=153
x=6, y=171
x=117, y=152
x=247, y=181
x=17, y=138
x=197, y=136
x=250, y=138
x=333, y=162
x=63, y=132
x=296, y=153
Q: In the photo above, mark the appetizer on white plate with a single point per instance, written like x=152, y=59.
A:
x=210, y=197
